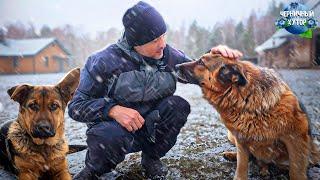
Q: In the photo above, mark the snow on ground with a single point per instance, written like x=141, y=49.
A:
x=197, y=153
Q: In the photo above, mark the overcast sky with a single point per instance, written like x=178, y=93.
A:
x=99, y=15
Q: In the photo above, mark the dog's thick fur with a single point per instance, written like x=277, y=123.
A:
x=261, y=113
x=35, y=142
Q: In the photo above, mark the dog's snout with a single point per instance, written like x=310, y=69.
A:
x=185, y=72
x=43, y=129
x=186, y=66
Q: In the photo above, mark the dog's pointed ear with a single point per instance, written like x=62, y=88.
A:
x=69, y=84
x=232, y=73
x=238, y=76
x=19, y=93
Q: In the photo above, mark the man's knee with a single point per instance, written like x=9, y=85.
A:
x=176, y=104
x=107, y=133
x=182, y=105
x=175, y=108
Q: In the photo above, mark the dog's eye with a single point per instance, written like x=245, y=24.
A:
x=53, y=107
x=224, y=70
x=200, y=62
x=34, y=107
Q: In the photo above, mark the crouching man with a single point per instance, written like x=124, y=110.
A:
x=126, y=96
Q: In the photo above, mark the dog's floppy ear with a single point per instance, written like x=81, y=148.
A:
x=69, y=84
x=19, y=93
x=232, y=73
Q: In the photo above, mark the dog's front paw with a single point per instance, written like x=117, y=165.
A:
x=264, y=172
x=230, y=156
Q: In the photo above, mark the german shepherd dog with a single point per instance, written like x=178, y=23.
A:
x=34, y=146
x=263, y=116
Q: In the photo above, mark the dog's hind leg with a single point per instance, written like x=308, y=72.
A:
x=298, y=149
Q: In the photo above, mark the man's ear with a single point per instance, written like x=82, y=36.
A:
x=232, y=73
x=69, y=84
x=20, y=93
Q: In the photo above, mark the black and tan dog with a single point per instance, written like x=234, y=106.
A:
x=34, y=145
x=262, y=115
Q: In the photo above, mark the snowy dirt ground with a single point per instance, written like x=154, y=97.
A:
x=197, y=153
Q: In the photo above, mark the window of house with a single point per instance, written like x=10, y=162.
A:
x=15, y=62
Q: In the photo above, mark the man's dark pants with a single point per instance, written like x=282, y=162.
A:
x=108, y=142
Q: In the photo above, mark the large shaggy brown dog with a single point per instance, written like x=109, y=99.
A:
x=262, y=115
x=34, y=145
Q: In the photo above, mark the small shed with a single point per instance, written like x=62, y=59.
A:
x=23, y=56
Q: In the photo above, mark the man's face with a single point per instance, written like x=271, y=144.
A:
x=153, y=49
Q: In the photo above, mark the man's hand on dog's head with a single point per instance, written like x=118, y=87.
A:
x=127, y=117
x=226, y=52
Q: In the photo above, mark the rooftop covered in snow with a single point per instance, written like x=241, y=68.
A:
x=26, y=47
x=275, y=41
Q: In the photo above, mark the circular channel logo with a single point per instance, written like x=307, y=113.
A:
x=296, y=18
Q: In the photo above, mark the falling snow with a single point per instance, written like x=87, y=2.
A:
x=99, y=79
x=197, y=153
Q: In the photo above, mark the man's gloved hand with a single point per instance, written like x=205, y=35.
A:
x=226, y=52
x=127, y=117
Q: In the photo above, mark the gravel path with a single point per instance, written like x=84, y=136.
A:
x=197, y=153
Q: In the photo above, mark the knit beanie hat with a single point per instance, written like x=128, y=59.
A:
x=142, y=23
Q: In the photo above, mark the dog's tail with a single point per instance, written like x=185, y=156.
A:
x=76, y=148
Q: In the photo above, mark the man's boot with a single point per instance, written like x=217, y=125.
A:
x=86, y=174
x=155, y=169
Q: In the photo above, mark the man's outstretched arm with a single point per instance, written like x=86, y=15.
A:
x=226, y=52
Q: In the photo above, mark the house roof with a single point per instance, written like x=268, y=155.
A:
x=275, y=41
x=279, y=37
x=26, y=47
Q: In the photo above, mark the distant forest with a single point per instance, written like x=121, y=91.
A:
x=193, y=40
